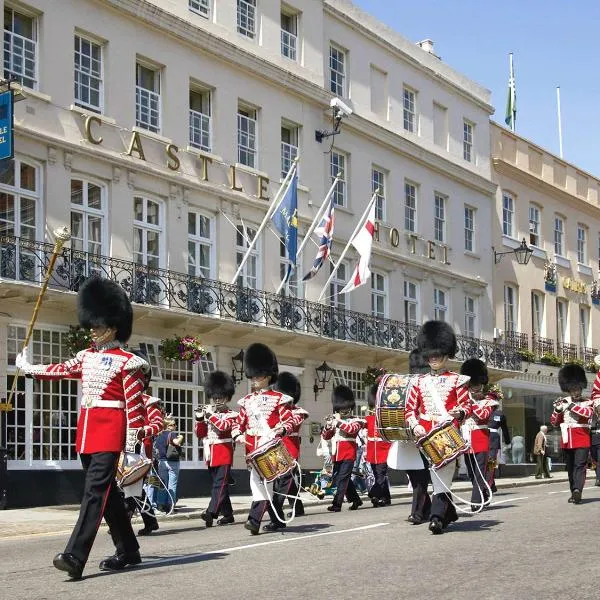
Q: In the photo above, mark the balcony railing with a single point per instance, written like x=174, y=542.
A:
x=567, y=352
x=541, y=345
x=516, y=340
x=24, y=260
x=587, y=355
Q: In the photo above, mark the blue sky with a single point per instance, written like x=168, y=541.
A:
x=554, y=42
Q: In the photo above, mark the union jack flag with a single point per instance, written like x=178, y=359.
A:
x=325, y=230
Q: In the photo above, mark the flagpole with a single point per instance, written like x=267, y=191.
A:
x=361, y=222
x=560, y=140
x=274, y=206
x=512, y=93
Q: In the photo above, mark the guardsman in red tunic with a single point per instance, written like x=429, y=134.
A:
x=264, y=415
x=342, y=428
x=438, y=397
x=112, y=384
x=573, y=414
x=475, y=429
x=213, y=427
x=377, y=454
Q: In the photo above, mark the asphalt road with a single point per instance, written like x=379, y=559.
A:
x=531, y=544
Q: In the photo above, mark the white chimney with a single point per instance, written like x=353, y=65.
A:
x=426, y=45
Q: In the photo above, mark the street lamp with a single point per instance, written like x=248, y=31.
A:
x=237, y=373
x=522, y=253
x=323, y=374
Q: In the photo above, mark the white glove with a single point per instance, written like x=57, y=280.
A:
x=22, y=360
x=419, y=431
x=209, y=410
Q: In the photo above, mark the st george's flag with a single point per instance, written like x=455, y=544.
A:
x=363, y=242
x=325, y=230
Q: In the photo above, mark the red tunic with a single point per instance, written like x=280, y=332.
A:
x=478, y=424
x=574, y=424
x=216, y=433
x=293, y=439
x=154, y=422
x=377, y=447
x=344, y=438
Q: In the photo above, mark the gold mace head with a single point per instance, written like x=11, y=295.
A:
x=62, y=234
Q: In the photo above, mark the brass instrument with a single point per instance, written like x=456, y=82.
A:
x=560, y=403
x=200, y=412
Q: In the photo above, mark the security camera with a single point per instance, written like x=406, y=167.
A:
x=342, y=110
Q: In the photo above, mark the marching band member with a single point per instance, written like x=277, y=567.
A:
x=573, y=414
x=264, y=414
x=436, y=398
x=112, y=411
x=213, y=426
x=342, y=428
x=595, y=430
x=496, y=425
x=475, y=429
x=377, y=455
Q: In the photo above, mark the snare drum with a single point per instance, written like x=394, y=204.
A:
x=390, y=407
x=271, y=460
x=442, y=445
x=131, y=468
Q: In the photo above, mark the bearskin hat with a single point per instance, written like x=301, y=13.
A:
x=104, y=303
x=476, y=370
x=260, y=361
x=219, y=386
x=342, y=398
x=571, y=376
x=287, y=383
x=436, y=338
x=372, y=399
x=417, y=364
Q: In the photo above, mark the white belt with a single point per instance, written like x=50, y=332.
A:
x=221, y=441
x=586, y=426
x=493, y=430
x=89, y=403
x=293, y=435
x=481, y=427
x=375, y=439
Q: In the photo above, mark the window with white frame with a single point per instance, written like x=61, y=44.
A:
x=200, y=124
x=337, y=168
x=289, y=35
x=409, y=109
x=354, y=380
x=201, y=7
x=508, y=214
x=378, y=183
x=470, y=316
x=148, y=228
x=147, y=97
x=246, y=18
x=88, y=74
x=337, y=71
x=537, y=313
x=379, y=296
x=581, y=243
x=289, y=147
x=338, y=300
x=534, y=225
x=411, y=302
x=247, y=147
x=468, y=129
x=469, y=229
x=440, y=304
x=439, y=218
x=248, y=278
x=293, y=287
x=410, y=206
x=584, y=327
x=200, y=245
x=559, y=235
x=510, y=308
x=20, y=47
x=562, y=308
x=88, y=216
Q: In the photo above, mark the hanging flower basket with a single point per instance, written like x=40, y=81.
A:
x=186, y=348
x=77, y=339
x=372, y=375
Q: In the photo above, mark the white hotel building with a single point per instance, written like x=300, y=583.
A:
x=159, y=132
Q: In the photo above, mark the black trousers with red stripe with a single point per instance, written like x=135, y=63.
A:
x=101, y=499
x=220, y=503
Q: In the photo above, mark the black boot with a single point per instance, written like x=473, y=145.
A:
x=118, y=562
x=69, y=563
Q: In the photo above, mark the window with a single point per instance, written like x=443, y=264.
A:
x=289, y=147
x=20, y=48
x=584, y=327
x=248, y=278
x=289, y=35
x=378, y=182
x=581, y=244
x=147, y=98
x=440, y=126
x=534, y=225
x=440, y=304
x=469, y=229
x=470, y=316
x=293, y=287
x=200, y=119
x=88, y=74
x=537, y=313
x=337, y=167
x=508, y=212
x=562, y=308
x=559, y=235
x=202, y=7
x=409, y=110
x=246, y=18
x=337, y=71
x=378, y=295
x=148, y=230
x=337, y=284
x=87, y=216
x=200, y=246
x=439, y=220
x=510, y=309
x=468, y=129
x=246, y=123
x=410, y=206
x=411, y=303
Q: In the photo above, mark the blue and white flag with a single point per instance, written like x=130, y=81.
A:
x=285, y=220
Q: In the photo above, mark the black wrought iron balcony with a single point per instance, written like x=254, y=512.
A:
x=542, y=346
x=588, y=355
x=25, y=260
x=516, y=340
x=567, y=352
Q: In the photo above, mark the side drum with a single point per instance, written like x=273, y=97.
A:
x=271, y=460
x=442, y=445
x=390, y=407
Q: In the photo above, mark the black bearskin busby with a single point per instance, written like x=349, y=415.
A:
x=476, y=370
x=436, y=338
x=342, y=398
x=417, y=365
x=260, y=361
x=219, y=386
x=372, y=399
x=571, y=376
x=104, y=303
x=287, y=383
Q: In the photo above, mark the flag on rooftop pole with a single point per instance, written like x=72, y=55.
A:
x=285, y=220
x=325, y=230
x=511, y=102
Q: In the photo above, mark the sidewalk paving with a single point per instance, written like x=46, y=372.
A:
x=51, y=520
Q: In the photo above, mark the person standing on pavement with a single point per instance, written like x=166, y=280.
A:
x=168, y=445
x=496, y=424
x=540, y=451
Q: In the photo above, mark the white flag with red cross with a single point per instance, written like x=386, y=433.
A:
x=363, y=242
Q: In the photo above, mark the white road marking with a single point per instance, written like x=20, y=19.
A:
x=561, y=492
x=508, y=500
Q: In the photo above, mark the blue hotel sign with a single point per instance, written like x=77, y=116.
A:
x=6, y=125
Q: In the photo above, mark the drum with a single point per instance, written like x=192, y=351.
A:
x=390, y=407
x=271, y=460
x=442, y=445
x=131, y=468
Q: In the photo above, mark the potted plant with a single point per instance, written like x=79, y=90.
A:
x=526, y=355
x=77, y=339
x=550, y=359
x=591, y=367
x=187, y=348
x=372, y=375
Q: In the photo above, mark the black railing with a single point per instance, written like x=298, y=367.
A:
x=587, y=355
x=516, y=340
x=567, y=352
x=25, y=260
x=542, y=345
